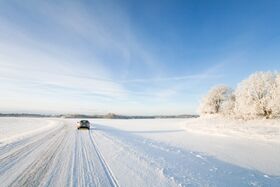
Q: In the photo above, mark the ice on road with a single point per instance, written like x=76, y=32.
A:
x=108, y=156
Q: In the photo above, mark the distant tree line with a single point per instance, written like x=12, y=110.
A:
x=105, y=116
x=25, y=115
x=257, y=96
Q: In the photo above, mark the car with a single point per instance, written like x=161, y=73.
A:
x=83, y=124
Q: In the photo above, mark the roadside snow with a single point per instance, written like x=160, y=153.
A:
x=254, y=144
x=13, y=129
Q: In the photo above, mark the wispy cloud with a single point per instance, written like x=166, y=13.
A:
x=26, y=58
x=72, y=58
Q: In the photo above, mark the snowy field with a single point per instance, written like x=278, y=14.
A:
x=154, y=152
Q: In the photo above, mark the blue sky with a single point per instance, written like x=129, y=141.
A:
x=130, y=57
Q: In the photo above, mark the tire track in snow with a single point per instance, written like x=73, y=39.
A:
x=18, y=151
x=34, y=174
x=108, y=172
x=85, y=169
x=62, y=156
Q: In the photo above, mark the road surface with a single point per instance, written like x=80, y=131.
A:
x=106, y=156
x=60, y=157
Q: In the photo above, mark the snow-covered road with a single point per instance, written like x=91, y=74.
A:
x=60, y=157
x=109, y=156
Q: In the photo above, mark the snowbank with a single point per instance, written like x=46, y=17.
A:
x=13, y=129
x=260, y=130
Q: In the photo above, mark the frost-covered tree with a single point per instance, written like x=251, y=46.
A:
x=275, y=102
x=227, y=107
x=216, y=101
x=256, y=96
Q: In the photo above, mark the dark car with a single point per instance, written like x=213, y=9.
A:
x=85, y=124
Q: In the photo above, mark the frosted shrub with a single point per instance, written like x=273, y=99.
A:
x=256, y=96
x=216, y=101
